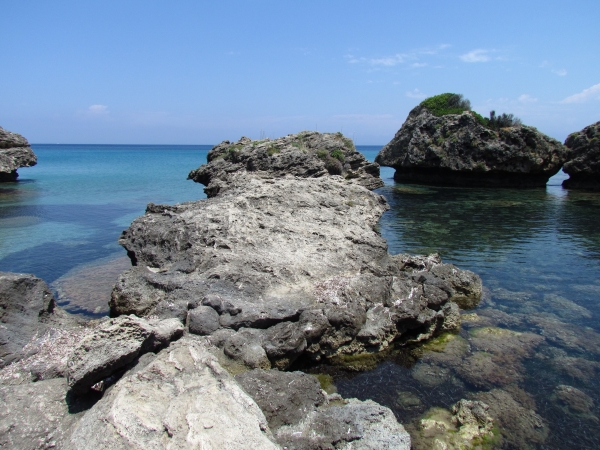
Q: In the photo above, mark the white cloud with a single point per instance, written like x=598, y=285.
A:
x=389, y=60
x=399, y=58
x=98, y=110
x=415, y=93
x=526, y=98
x=478, y=55
x=592, y=92
x=560, y=73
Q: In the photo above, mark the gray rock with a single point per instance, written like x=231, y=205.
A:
x=14, y=153
x=456, y=149
x=293, y=254
x=203, y=320
x=182, y=399
x=302, y=417
x=583, y=165
x=35, y=415
x=27, y=312
x=115, y=344
x=306, y=155
x=245, y=347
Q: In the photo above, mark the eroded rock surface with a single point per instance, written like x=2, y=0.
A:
x=296, y=258
x=28, y=311
x=305, y=155
x=456, y=149
x=181, y=399
x=14, y=153
x=113, y=345
x=583, y=165
x=301, y=416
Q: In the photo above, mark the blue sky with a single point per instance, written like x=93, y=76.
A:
x=198, y=72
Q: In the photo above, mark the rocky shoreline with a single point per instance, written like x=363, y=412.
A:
x=272, y=268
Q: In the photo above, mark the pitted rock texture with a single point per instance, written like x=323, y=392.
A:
x=297, y=260
x=456, y=149
x=28, y=311
x=307, y=155
x=14, y=153
x=181, y=399
x=583, y=165
x=302, y=416
x=115, y=344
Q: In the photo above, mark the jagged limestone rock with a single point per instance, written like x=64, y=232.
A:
x=15, y=152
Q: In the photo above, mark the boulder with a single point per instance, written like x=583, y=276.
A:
x=15, y=152
x=302, y=416
x=298, y=257
x=583, y=164
x=459, y=150
x=113, y=345
x=181, y=399
x=28, y=311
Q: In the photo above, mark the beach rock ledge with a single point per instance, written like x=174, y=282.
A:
x=15, y=152
x=583, y=165
x=458, y=150
x=284, y=260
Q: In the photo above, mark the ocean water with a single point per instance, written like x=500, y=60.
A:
x=531, y=348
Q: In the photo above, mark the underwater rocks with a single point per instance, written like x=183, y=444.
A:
x=302, y=416
x=583, y=165
x=456, y=149
x=305, y=155
x=14, y=153
x=296, y=259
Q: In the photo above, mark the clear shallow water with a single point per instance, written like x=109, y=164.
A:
x=537, y=251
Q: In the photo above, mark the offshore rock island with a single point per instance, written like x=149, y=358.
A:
x=15, y=152
x=583, y=166
x=281, y=262
x=443, y=142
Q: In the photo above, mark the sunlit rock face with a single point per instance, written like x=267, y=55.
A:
x=290, y=264
x=14, y=153
x=456, y=149
x=583, y=165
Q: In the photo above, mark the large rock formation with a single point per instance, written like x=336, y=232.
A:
x=457, y=149
x=304, y=155
x=290, y=264
x=583, y=165
x=14, y=153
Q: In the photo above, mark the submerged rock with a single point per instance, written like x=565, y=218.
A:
x=296, y=257
x=583, y=164
x=457, y=149
x=14, y=153
x=301, y=416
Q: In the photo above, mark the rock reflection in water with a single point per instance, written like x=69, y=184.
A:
x=531, y=349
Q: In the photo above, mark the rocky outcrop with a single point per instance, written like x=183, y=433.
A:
x=305, y=155
x=181, y=399
x=302, y=416
x=115, y=344
x=28, y=312
x=296, y=260
x=14, y=153
x=583, y=165
x=456, y=149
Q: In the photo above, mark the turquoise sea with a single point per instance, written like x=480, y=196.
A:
x=533, y=344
